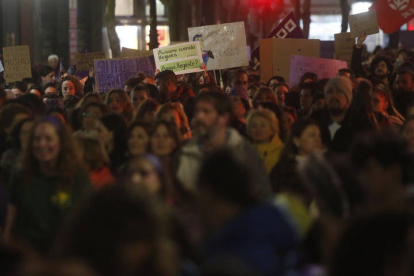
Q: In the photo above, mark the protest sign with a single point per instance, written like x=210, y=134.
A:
x=344, y=45
x=363, y=23
x=276, y=52
x=287, y=28
x=127, y=52
x=1, y=67
x=17, y=63
x=224, y=46
x=113, y=73
x=327, y=49
x=84, y=61
x=322, y=67
x=181, y=59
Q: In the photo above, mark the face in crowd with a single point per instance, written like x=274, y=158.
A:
x=405, y=82
x=379, y=102
x=309, y=141
x=337, y=101
x=281, y=91
x=305, y=99
x=260, y=129
x=381, y=70
x=91, y=118
x=116, y=103
x=138, y=97
x=138, y=141
x=68, y=88
x=241, y=80
x=46, y=143
x=162, y=142
x=49, y=78
x=207, y=120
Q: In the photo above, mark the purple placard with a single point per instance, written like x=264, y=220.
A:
x=322, y=67
x=288, y=28
x=113, y=73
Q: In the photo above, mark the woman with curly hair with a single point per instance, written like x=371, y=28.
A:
x=119, y=102
x=49, y=184
x=70, y=86
x=174, y=112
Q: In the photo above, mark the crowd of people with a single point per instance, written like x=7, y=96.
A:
x=175, y=175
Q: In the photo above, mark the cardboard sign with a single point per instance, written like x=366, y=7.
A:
x=327, y=49
x=322, y=67
x=126, y=52
x=344, y=44
x=288, y=28
x=84, y=61
x=181, y=58
x=363, y=23
x=113, y=73
x=224, y=46
x=1, y=67
x=17, y=63
x=276, y=52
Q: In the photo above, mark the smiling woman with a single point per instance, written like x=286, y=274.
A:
x=48, y=185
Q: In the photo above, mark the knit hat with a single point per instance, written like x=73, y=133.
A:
x=239, y=92
x=341, y=84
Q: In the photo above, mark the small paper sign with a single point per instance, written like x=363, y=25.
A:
x=17, y=63
x=322, y=67
x=363, y=24
x=84, y=61
x=344, y=44
x=181, y=59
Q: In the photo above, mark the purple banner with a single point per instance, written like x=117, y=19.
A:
x=113, y=73
x=288, y=28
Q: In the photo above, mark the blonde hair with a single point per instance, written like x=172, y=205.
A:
x=265, y=113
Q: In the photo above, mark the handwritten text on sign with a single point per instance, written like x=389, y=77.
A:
x=113, y=73
x=226, y=42
x=17, y=63
x=344, y=44
x=84, y=61
x=323, y=68
x=363, y=23
x=181, y=58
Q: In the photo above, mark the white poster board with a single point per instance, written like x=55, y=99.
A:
x=224, y=46
x=181, y=58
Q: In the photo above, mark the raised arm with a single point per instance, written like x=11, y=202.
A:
x=356, y=62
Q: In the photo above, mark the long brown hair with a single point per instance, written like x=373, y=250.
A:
x=68, y=162
x=128, y=112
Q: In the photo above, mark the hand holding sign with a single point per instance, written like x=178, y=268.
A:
x=363, y=24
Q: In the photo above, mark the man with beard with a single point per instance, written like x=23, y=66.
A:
x=404, y=96
x=381, y=66
x=211, y=119
x=335, y=127
x=167, y=84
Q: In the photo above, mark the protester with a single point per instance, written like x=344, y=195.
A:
x=307, y=93
x=47, y=75
x=242, y=226
x=146, y=111
x=212, y=117
x=112, y=131
x=119, y=102
x=96, y=160
x=138, y=139
x=48, y=185
x=139, y=94
x=404, y=95
x=263, y=130
x=165, y=139
x=280, y=90
x=50, y=88
x=167, y=84
x=174, y=112
x=240, y=79
x=19, y=88
x=91, y=114
x=37, y=90
x=240, y=102
x=69, y=86
x=383, y=103
x=264, y=94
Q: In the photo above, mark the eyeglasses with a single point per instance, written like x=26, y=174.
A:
x=93, y=115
